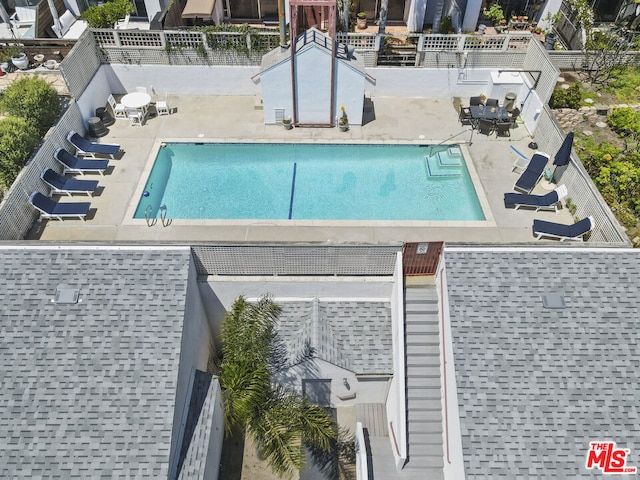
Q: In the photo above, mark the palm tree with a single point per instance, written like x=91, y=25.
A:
x=280, y=420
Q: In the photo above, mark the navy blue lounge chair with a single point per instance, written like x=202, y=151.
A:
x=58, y=210
x=562, y=231
x=532, y=173
x=88, y=149
x=66, y=186
x=74, y=164
x=550, y=201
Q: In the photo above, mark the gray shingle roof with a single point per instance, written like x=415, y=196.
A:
x=197, y=435
x=536, y=385
x=355, y=335
x=87, y=390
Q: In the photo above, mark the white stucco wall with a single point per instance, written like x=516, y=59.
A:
x=182, y=80
x=95, y=95
x=276, y=92
x=194, y=351
x=350, y=85
x=313, y=85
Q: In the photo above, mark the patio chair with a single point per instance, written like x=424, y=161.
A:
x=117, y=108
x=475, y=102
x=74, y=164
x=485, y=126
x=491, y=102
x=162, y=107
x=513, y=116
x=58, y=210
x=561, y=231
x=135, y=117
x=66, y=186
x=550, y=201
x=142, y=89
x=88, y=149
x=503, y=129
x=465, y=116
x=532, y=173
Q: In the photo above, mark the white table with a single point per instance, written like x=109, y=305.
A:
x=138, y=101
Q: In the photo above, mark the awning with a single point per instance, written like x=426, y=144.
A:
x=198, y=8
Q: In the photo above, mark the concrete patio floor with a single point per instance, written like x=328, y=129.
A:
x=229, y=119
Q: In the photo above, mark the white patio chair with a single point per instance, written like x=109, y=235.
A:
x=142, y=89
x=135, y=117
x=118, y=109
x=162, y=107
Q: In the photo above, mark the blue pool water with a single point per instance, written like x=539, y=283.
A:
x=310, y=182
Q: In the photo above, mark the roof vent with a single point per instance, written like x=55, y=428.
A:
x=66, y=295
x=553, y=300
x=422, y=248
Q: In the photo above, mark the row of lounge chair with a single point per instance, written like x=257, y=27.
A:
x=529, y=178
x=61, y=185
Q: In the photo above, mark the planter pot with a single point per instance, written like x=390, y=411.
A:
x=344, y=128
x=21, y=61
x=362, y=23
x=287, y=126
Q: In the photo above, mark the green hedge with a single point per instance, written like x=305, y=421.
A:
x=33, y=99
x=107, y=14
x=18, y=138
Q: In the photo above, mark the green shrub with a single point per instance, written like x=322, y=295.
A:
x=107, y=14
x=624, y=121
x=446, y=25
x=18, y=138
x=34, y=100
x=569, y=98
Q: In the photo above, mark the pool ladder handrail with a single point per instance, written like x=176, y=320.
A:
x=163, y=216
x=148, y=216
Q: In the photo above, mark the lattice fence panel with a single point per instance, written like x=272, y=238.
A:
x=138, y=38
x=16, y=215
x=361, y=41
x=475, y=59
x=80, y=65
x=295, y=260
x=583, y=192
x=182, y=40
x=538, y=60
x=440, y=42
x=105, y=37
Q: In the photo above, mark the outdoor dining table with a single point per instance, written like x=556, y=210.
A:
x=138, y=101
x=489, y=113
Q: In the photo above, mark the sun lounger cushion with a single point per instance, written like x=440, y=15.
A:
x=51, y=209
x=575, y=231
x=532, y=173
x=77, y=165
x=90, y=149
x=60, y=184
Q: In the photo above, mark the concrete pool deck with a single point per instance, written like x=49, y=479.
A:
x=230, y=119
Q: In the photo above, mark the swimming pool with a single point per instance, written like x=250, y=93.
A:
x=309, y=182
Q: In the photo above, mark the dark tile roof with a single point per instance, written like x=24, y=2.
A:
x=88, y=388
x=536, y=385
x=355, y=335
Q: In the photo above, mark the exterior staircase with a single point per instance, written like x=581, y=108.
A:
x=423, y=386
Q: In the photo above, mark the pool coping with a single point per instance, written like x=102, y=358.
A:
x=489, y=220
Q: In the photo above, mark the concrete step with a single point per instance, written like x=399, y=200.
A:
x=422, y=416
x=424, y=462
x=426, y=427
x=423, y=372
x=425, y=338
x=431, y=383
x=429, y=350
x=417, y=439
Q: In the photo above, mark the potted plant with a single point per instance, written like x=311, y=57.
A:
x=362, y=20
x=343, y=121
x=286, y=123
x=494, y=13
x=13, y=53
